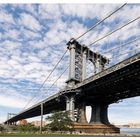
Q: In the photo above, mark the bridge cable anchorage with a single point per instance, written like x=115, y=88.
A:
x=46, y=79
x=54, y=83
x=114, y=31
x=122, y=45
x=102, y=20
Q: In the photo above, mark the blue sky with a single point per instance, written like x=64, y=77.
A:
x=33, y=37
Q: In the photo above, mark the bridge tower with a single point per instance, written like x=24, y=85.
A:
x=9, y=116
x=79, y=55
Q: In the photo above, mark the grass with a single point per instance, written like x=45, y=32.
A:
x=17, y=134
x=37, y=135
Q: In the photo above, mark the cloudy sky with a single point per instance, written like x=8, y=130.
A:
x=33, y=38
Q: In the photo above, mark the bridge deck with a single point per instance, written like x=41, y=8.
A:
x=113, y=84
x=116, y=67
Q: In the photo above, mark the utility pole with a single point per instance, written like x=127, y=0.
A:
x=41, y=122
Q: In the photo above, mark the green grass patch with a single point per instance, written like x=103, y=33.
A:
x=37, y=135
x=28, y=134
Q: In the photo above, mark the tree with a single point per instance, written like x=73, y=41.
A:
x=27, y=128
x=60, y=121
x=1, y=128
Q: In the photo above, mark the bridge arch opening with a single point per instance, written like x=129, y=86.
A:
x=90, y=69
x=125, y=112
x=88, y=113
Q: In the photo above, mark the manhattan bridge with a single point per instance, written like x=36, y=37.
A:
x=107, y=85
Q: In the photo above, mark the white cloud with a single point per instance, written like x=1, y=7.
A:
x=84, y=11
x=29, y=21
x=11, y=98
x=6, y=17
x=127, y=13
x=11, y=33
x=49, y=11
x=88, y=10
x=27, y=34
x=63, y=31
x=10, y=46
x=13, y=102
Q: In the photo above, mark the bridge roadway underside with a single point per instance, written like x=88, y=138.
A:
x=48, y=107
x=120, y=84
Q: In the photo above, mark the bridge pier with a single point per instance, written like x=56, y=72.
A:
x=99, y=114
x=99, y=122
x=82, y=113
x=70, y=106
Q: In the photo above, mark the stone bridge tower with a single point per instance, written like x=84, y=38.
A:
x=79, y=55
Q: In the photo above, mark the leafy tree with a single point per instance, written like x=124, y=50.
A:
x=27, y=128
x=13, y=127
x=60, y=121
x=1, y=128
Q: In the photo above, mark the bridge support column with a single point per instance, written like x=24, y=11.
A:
x=99, y=114
x=72, y=47
x=98, y=65
x=70, y=106
x=67, y=104
x=99, y=121
x=41, y=121
x=9, y=123
x=82, y=113
x=84, y=65
x=14, y=123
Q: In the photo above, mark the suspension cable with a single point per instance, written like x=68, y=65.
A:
x=67, y=50
x=114, y=31
x=102, y=20
x=54, y=83
x=124, y=44
x=46, y=79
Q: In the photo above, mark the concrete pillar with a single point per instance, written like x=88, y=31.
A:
x=97, y=65
x=82, y=113
x=95, y=114
x=71, y=107
x=84, y=65
x=99, y=114
x=67, y=104
x=104, y=114
x=95, y=69
x=72, y=61
x=41, y=119
x=103, y=66
x=100, y=65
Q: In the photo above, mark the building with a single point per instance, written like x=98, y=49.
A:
x=38, y=123
x=134, y=125
x=23, y=122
